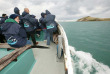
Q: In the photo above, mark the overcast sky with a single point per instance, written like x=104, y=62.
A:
x=63, y=9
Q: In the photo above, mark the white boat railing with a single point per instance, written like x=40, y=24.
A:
x=66, y=51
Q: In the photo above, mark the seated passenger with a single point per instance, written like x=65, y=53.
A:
x=2, y=20
x=14, y=33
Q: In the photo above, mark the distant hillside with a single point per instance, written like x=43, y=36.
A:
x=88, y=18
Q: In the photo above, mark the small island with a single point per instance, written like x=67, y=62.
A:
x=89, y=18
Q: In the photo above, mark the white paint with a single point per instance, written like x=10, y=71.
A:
x=67, y=52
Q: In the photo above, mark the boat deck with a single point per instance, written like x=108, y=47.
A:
x=47, y=61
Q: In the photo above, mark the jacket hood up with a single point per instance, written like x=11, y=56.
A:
x=47, y=12
x=16, y=10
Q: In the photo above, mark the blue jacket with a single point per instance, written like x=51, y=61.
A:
x=50, y=21
x=37, y=23
x=2, y=20
x=14, y=33
x=29, y=22
x=0, y=30
x=42, y=24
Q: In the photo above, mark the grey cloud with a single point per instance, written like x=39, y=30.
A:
x=63, y=9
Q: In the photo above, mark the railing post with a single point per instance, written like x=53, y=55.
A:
x=60, y=47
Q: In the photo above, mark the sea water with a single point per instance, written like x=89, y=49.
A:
x=89, y=45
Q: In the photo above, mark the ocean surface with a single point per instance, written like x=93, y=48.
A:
x=90, y=46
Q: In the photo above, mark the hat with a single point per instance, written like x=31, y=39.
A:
x=13, y=16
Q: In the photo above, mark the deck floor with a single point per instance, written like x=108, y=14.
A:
x=47, y=61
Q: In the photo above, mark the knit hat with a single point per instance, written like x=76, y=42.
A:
x=13, y=16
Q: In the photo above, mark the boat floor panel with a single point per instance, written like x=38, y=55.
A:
x=47, y=61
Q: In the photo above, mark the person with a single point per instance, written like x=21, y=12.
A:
x=14, y=33
x=2, y=38
x=43, y=25
x=29, y=25
x=17, y=11
x=51, y=26
x=37, y=26
x=2, y=20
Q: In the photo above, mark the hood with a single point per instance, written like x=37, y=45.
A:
x=16, y=10
x=47, y=12
x=42, y=14
x=24, y=13
x=10, y=20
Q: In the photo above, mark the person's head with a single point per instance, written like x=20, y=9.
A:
x=26, y=10
x=4, y=15
x=17, y=11
x=15, y=17
x=43, y=14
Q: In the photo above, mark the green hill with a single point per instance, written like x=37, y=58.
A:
x=89, y=18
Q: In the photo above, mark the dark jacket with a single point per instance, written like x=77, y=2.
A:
x=42, y=24
x=50, y=21
x=29, y=22
x=16, y=11
x=14, y=33
x=37, y=23
x=2, y=20
x=0, y=29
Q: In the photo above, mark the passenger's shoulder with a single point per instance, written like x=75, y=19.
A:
x=16, y=24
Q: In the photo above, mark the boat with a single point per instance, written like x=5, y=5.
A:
x=56, y=59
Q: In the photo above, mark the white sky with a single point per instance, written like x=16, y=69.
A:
x=63, y=9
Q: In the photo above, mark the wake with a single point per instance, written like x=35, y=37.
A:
x=84, y=63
